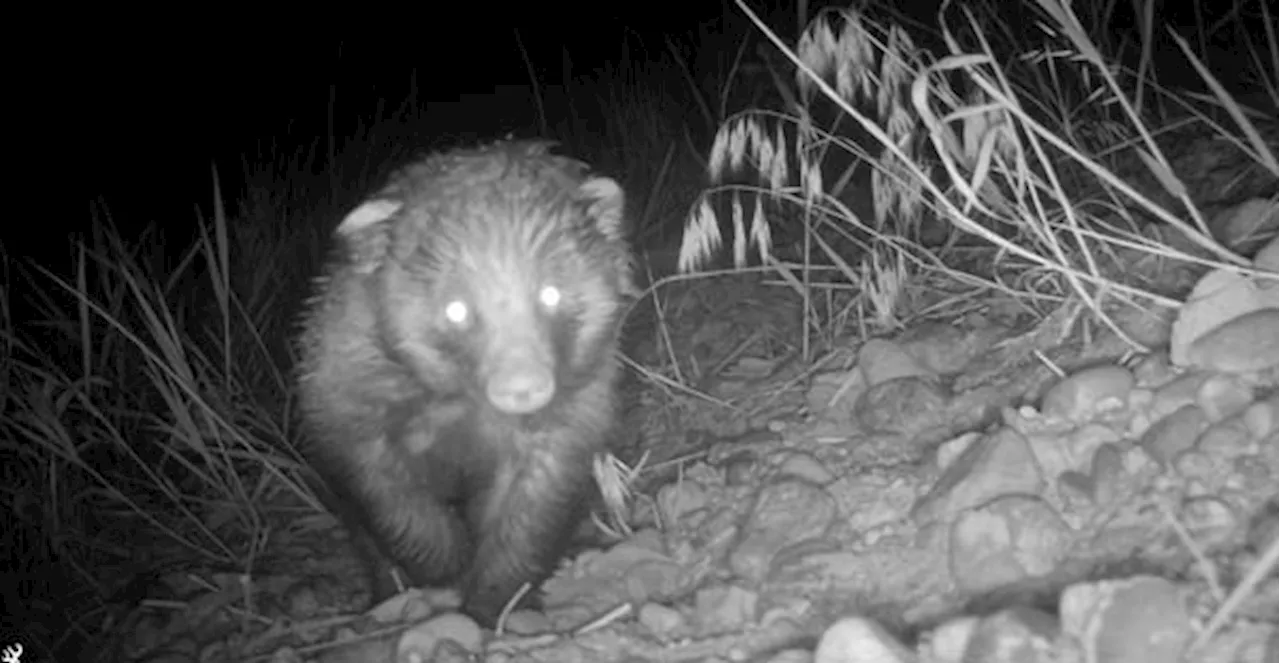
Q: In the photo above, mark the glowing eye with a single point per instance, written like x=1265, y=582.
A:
x=549, y=296
x=457, y=312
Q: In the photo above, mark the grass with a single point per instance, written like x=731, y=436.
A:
x=147, y=420
x=955, y=140
x=146, y=400
x=994, y=137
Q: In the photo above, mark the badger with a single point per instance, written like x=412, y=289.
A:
x=459, y=366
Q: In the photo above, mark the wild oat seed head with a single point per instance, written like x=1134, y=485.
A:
x=844, y=79
x=985, y=132
x=701, y=237
x=910, y=193
x=811, y=182
x=899, y=124
x=738, y=143
x=881, y=196
x=816, y=50
x=855, y=57
x=867, y=59
x=761, y=147
x=745, y=138
x=760, y=232
x=719, y=152
x=904, y=51
x=890, y=83
x=611, y=476
x=730, y=148
x=804, y=130
x=883, y=285
x=771, y=157
x=895, y=191
x=739, y=234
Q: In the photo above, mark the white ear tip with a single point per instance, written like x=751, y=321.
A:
x=368, y=214
x=601, y=188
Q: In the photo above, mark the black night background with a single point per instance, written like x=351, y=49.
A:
x=146, y=405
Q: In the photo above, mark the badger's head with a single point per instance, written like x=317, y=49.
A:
x=500, y=272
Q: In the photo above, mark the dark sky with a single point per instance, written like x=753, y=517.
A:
x=169, y=107
x=153, y=109
x=150, y=109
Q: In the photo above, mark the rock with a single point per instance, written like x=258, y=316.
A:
x=859, y=640
x=528, y=622
x=1220, y=297
x=950, y=450
x=420, y=644
x=949, y=642
x=1227, y=439
x=1013, y=635
x=1140, y=400
x=1135, y=619
x=803, y=466
x=792, y=656
x=1251, y=475
x=1264, y=526
x=946, y=349
x=1004, y=542
x=1108, y=473
x=1243, y=227
x=829, y=568
x=869, y=500
x=1056, y=453
x=903, y=405
x=1076, y=488
x=1078, y=397
x=637, y=570
x=832, y=395
x=412, y=605
x=664, y=623
x=1174, y=433
x=1261, y=418
x=350, y=650
x=725, y=609
x=1211, y=522
x=1194, y=464
x=680, y=499
x=1000, y=464
x=1222, y=396
x=1243, y=344
x=740, y=469
x=1268, y=256
x=975, y=408
x=1177, y=393
x=785, y=513
x=645, y=545
x=314, y=596
x=1153, y=371
x=880, y=361
x=651, y=579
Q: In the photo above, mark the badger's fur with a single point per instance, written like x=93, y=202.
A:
x=458, y=368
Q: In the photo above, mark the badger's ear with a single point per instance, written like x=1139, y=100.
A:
x=364, y=232
x=606, y=207
x=605, y=204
